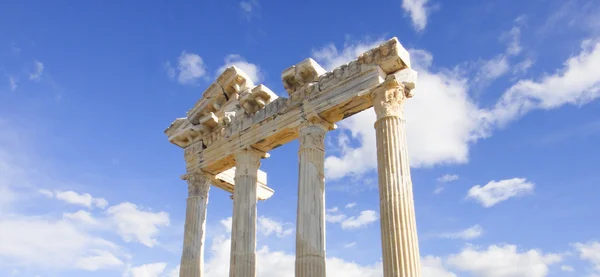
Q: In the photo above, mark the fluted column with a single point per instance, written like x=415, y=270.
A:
x=310, y=219
x=398, y=227
x=243, y=231
x=192, y=259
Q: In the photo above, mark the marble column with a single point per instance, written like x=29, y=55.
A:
x=192, y=259
x=398, y=227
x=243, y=231
x=310, y=219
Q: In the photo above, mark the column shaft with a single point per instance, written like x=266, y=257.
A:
x=192, y=258
x=243, y=232
x=310, y=220
x=398, y=227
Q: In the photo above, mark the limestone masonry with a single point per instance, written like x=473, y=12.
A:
x=236, y=123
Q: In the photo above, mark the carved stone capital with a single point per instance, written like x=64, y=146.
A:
x=247, y=161
x=312, y=133
x=198, y=184
x=388, y=99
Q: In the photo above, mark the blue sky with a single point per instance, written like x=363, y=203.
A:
x=503, y=133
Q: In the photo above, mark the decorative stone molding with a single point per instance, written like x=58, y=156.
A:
x=300, y=74
x=255, y=99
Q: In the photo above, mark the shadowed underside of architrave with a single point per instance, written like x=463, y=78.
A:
x=234, y=114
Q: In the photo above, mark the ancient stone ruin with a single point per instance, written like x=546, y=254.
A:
x=236, y=124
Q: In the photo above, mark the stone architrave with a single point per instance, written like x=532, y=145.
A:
x=310, y=219
x=399, y=240
x=192, y=258
x=243, y=229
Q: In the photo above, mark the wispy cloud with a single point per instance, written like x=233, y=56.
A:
x=418, y=11
x=447, y=178
x=467, y=234
x=71, y=197
x=38, y=69
x=364, y=218
x=250, y=9
x=495, y=192
x=13, y=82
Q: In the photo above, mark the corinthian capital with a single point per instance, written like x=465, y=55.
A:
x=388, y=98
x=198, y=184
x=248, y=161
x=312, y=132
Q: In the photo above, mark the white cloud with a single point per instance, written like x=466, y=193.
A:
x=59, y=244
x=71, y=197
x=489, y=70
x=333, y=210
x=418, y=12
x=577, y=83
x=37, y=71
x=467, y=234
x=174, y=272
x=334, y=218
x=332, y=215
x=170, y=70
x=147, y=270
x=438, y=190
x=46, y=193
x=434, y=267
x=7, y=197
x=590, y=252
x=495, y=192
x=100, y=259
x=350, y=245
x=133, y=224
x=494, y=68
x=567, y=268
x=365, y=218
x=227, y=223
x=503, y=261
x=190, y=68
x=522, y=66
x=13, y=82
x=250, y=9
x=81, y=215
x=447, y=178
x=251, y=69
x=514, y=39
x=350, y=205
x=268, y=226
